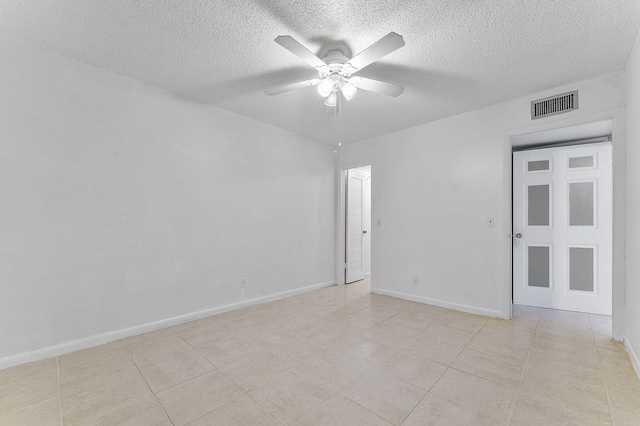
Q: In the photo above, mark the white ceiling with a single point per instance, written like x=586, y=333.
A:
x=459, y=55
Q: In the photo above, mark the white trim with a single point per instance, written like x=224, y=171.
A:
x=495, y=313
x=100, y=339
x=635, y=361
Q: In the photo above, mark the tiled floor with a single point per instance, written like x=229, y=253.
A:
x=339, y=356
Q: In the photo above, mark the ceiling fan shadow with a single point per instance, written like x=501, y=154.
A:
x=417, y=80
x=248, y=84
x=330, y=44
x=286, y=15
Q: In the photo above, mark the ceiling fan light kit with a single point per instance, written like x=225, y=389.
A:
x=348, y=90
x=335, y=70
x=325, y=87
x=331, y=100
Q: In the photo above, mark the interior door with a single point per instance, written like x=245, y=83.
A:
x=355, y=225
x=366, y=225
x=562, y=225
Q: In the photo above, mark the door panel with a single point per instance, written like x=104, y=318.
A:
x=538, y=205
x=562, y=224
x=539, y=266
x=355, y=225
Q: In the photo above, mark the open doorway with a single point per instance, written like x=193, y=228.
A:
x=357, y=224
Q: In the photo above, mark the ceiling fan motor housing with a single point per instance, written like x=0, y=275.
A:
x=335, y=60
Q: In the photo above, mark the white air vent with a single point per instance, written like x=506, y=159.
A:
x=554, y=105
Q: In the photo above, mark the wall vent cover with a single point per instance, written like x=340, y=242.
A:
x=553, y=105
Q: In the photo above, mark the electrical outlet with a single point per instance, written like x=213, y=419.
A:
x=243, y=282
x=415, y=280
x=491, y=221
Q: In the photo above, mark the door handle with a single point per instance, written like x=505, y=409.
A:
x=364, y=232
x=518, y=235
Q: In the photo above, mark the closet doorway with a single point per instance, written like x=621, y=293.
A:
x=357, y=214
x=562, y=227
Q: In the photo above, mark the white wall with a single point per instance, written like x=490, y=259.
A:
x=123, y=205
x=632, y=297
x=435, y=185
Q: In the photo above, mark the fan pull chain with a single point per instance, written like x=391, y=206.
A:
x=338, y=121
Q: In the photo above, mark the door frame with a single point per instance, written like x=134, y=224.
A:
x=341, y=219
x=618, y=142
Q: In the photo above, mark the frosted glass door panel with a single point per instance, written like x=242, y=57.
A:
x=581, y=268
x=580, y=162
x=539, y=165
x=539, y=267
x=538, y=201
x=581, y=204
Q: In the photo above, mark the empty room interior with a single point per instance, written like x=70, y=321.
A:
x=319, y=213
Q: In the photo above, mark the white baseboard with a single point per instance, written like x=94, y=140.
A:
x=632, y=354
x=441, y=303
x=100, y=339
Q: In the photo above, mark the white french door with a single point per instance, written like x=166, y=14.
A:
x=562, y=226
x=355, y=225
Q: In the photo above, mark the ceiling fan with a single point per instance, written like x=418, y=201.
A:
x=336, y=70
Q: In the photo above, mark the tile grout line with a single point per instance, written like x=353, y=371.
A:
x=246, y=392
x=604, y=381
x=145, y=381
x=595, y=345
x=262, y=406
x=184, y=381
x=338, y=392
x=375, y=414
x=524, y=368
x=265, y=409
x=59, y=397
x=424, y=397
x=444, y=372
x=198, y=352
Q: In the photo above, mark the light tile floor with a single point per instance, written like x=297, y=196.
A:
x=339, y=356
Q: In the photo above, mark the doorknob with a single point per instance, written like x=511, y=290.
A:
x=364, y=232
x=518, y=235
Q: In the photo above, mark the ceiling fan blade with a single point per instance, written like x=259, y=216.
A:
x=293, y=86
x=377, y=86
x=377, y=50
x=300, y=51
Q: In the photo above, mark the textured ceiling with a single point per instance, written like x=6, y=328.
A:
x=459, y=55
